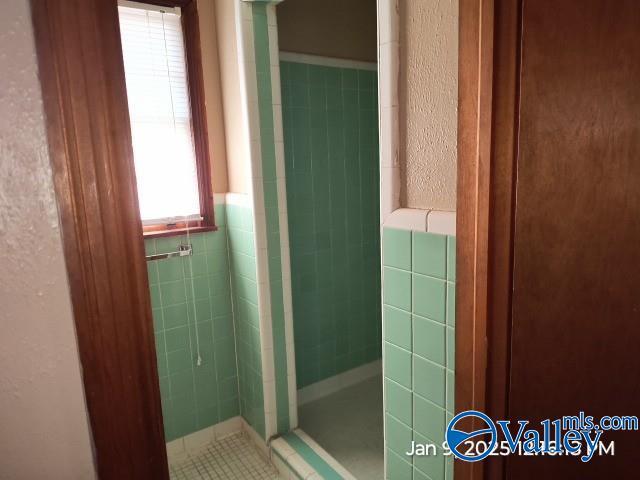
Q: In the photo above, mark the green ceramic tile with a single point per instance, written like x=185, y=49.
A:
x=429, y=380
x=165, y=391
x=177, y=338
x=179, y=361
x=397, y=326
x=428, y=419
x=198, y=288
x=152, y=272
x=397, y=365
x=158, y=322
x=216, y=241
x=448, y=468
x=172, y=292
x=202, y=310
x=451, y=304
x=431, y=465
x=398, y=435
x=429, y=339
x=398, y=402
x=429, y=255
x=418, y=475
x=197, y=242
x=397, y=288
x=396, y=245
x=149, y=247
x=175, y=315
x=451, y=259
x=220, y=214
x=182, y=384
x=451, y=348
x=154, y=292
x=450, y=403
x=196, y=265
x=397, y=467
x=207, y=416
x=429, y=297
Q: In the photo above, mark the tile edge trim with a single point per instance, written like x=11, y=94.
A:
x=414, y=219
x=327, y=61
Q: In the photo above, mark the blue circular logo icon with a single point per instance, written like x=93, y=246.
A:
x=462, y=443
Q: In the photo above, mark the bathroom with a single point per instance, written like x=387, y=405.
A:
x=265, y=151
x=279, y=239
x=271, y=322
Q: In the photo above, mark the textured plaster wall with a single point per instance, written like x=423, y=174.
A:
x=43, y=425
x=428, y=102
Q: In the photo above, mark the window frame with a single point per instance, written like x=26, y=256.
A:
x=195, y=85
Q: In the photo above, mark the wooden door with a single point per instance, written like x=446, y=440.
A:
x=548, y=291
x=576, y=267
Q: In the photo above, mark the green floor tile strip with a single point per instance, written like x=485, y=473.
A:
x=270, y=184
x=310, y=456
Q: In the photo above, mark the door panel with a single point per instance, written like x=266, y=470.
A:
x=576, y=292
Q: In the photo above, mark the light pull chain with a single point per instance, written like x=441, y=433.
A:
x=193, y=299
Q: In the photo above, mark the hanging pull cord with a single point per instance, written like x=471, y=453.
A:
x=193, y=295
x=193, y=300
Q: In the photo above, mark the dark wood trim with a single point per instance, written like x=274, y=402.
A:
x=178, y=230
x=167, y=3
x=191, y=29
x=475, y=70
x=82, y=77
x=487, y=152
x=504, y=155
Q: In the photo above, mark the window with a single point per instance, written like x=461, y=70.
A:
x=166, y=108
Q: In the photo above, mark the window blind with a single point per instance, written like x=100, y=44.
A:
x=158, y=97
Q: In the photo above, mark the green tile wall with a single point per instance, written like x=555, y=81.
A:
x=194, y=397
x=271, y=210
x=332, y=178
x=247, y=320
x=419, y=323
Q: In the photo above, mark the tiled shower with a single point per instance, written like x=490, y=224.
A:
x=331, y=158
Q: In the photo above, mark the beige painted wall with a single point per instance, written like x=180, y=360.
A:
x=212, y=94
x=233, y=99
x=428, y=103
x=331, y=28
x=43, y=425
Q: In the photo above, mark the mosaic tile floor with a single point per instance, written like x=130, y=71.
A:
x=232, y=458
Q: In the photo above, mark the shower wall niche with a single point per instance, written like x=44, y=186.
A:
x=332, y=178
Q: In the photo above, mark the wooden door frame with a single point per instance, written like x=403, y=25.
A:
x=488, y=91
x=83, y=86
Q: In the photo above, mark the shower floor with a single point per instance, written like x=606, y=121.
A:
x=349, y=426
x=232, y=458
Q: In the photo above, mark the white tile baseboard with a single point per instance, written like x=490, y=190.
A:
x=336, y=383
